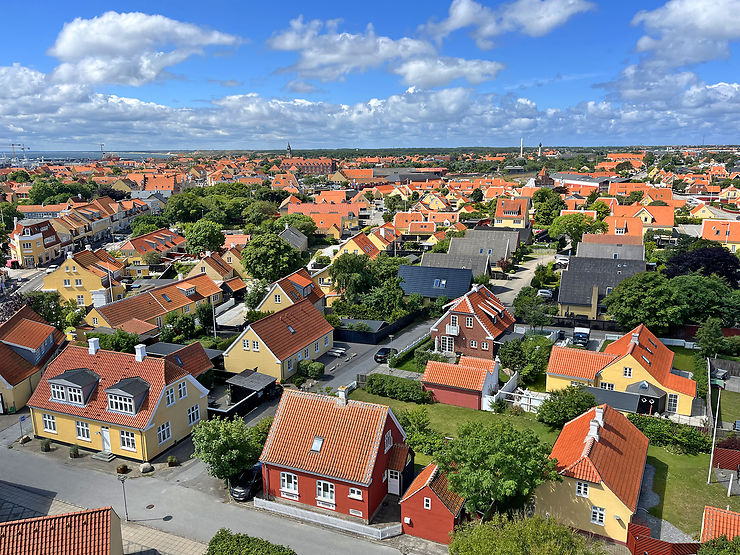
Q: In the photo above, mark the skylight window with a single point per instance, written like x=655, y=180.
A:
x=318, y=442
x=290, y=329
x=166, y=298
x=440, y=283
x=645, y=359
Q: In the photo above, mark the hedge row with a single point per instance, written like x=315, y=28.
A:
x=665, y=433
x=225, y=542
x=397, y=388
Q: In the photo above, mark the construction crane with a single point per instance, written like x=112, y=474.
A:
x=13, y=159
x=101, y=150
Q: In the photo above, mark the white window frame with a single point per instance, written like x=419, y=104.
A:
x=306, y=353
x=582, y=489
x=290, y=365
x=169, y=394
x=186, y=310
x=245, y=344
x=164, y=433
x=128, y=440
x=193, y=415
x=119, y=403
x=83, y=430
x=672, y=399
x=473, y=344
x=256, y=346
x=469, y=321
x=75, y=396
x=447, y=341
x=627, y=372
x=49, y=422
x=289, y=485
x=325, y=494
x=607, y=386
x=428, y=503
x=277, y=298
x=355, y=493
x=326, y=341
x=95, y=321
x=388, y=440
x=598, y=515
x=484, y=345
x=80, y=300
x=316, y=347
x=58, y=392
x=453, y=320
x=78, y=282
x=182, y=389
x=67, y=283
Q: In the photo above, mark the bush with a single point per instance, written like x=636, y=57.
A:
x=397, y=388
x=122, y=469
x=315, y=370
x=392, y=360
x=298, y=380
x=334, y=320
x=225, y=542
x=675, y=437
x=419, y=434
x=226, y=343
x=732, y=442
x=516, y=410
x=422, y=356
x=499, y=407
x=172, y=461
x=564, y=405
x=74, y=451
x=46, y=445
x=700, y=376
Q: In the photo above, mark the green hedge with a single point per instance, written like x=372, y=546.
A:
x=397, y=388
x=675, y=437
x=700, y=376
x=225, y=542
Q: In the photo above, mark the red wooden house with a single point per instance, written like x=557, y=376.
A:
x=472, y=324
x=429, y=509
x=335, y=454
x=463, y=384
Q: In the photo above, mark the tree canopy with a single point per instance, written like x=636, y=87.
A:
x=146, y=223
x=528, y=356
x=574, y=226
x=301, y=222
x=715, y=260
x=351, y=274
x=50, y=306
x=565, y=404
x=270, y=257
x=533, y=310
x=547, y=204
x=119, y=341
x=204, y=236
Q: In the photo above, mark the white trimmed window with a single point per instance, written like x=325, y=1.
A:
x=255, y=346
x=672, y=404
x=67, y=283
x=326, y=341
x=627, y=372
x=582, y=489
x=58, y=392
x=289, y=485
x=245, y=344
x=598, y=515
x=468, y=321
x=78, y=283
x=316, y=347
x=277, y=299
x=388, y=440
x=170, y=395
x=355, y=493
x=74, y=395
x=187, y=309
x=324, y=494
x=428, y=503
x=182, y=390
x=290, y=365
x=484, y=345
x=80, y=300
x=193, y=414
x=453, y=320
x=305, y=354
x=607, y=386
x=83, y=430
x=95, y=321
x=473, y=344
x=164, y=432
x=49, y=422
x=119, y=403
x=128, y=440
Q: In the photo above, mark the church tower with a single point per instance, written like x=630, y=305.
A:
x=289, y=152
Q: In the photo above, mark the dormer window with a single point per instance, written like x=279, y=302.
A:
x=119, y=403
x=58, y=392
x=74, y=395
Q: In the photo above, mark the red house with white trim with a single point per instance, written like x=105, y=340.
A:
x=463, y=384
x=429, y=509
x=335, y=454
x=472, y=324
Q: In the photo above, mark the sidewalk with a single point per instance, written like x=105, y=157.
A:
x=17, y=503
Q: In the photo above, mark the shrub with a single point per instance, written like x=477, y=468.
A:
x=564, y=405
x=303, y=367
x=516, y=410
x=298, y=380
x=225, y=343
x=122, y=469
x=732, y=442
x=499, y=407
x=419, y=434
x=334, y=320
x=74, y=451
x=679, y=437
x=392, y=360
x=172, y=461
x=422, y=356
x=700, y=376
x=225, y=542
x=361, y=326
x=46, y=445
x=397, y=388
x=315, y=370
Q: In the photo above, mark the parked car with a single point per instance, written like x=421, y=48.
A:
x=246, y=484
x=383, y=353
x=581, y=337
x=545, y=293
x=52, y=268
x=562, y=259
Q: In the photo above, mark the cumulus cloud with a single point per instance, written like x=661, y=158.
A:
x=531, y=17
x=229, y=83
x=327, y=55
x=433, y=72
x=128, y=48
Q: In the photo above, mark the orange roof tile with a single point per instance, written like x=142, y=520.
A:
x=437, y=482
x=491, y=312
x=719, y=522
x=191, y=358
x=398, y=456
x=576, y=363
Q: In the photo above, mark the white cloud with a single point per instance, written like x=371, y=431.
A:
x=128, y=48
x=531, y=17
x=687, y=32
x=427, y=73
x=299, y=86
x=327, y=55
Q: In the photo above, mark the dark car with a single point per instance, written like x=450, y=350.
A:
x=246, y=484
x=383, y=353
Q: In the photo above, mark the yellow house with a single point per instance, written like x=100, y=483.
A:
x=214, y=267
x=601, y=458
x=290, y=290
x=513, y=213
x=125, y=405
x=730, y=193
x=277, y=343
x=359, y=244
x=87, y=278
x=233, y=257
x=326, y=284
x=724, y=232
x=27, y=343
x=36, y=242
x=701, y=211
x=636, y=370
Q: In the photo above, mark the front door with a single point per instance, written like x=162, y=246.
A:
x=446, y=344
x=105, y=438
x=394, y=482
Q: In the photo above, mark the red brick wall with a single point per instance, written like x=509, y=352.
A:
x=728, y=459
x=457, y=397
x=462, y=341
x=433, y=524
x=639, y=542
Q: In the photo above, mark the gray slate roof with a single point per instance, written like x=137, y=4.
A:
x=615, y=399
x=622, y=251
x=577, y=282
x=162, y=349
x=295, y=238
x=249, y=379
x=478, y=263
x=450, y=282
x=494, y=243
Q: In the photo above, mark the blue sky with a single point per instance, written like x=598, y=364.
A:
x=343, y=74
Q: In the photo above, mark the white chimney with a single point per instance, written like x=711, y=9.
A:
x=70, y=255
x=93, y=345
x=599, y=415
x=593, y=430
x=635, y=338
x=342, y=394
x=140, y=352
x=208, y=253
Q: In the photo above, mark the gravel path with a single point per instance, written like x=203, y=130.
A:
x=659, y=528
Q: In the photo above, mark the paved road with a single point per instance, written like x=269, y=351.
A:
x=508, y=289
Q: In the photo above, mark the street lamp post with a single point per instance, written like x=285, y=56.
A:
x=122, y=479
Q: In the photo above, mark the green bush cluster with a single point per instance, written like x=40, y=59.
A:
x=700, y=376
x=397, y=388
x=422, y=356
x=675, y=437
x=225, y=542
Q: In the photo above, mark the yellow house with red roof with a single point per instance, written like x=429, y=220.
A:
x=601, y=458
x=359, y=244
x=633, y=374
x=87, y=278
x=290, y=290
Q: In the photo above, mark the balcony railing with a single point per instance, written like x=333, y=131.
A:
x=452, y=330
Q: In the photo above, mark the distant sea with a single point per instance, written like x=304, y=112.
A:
x=82, y=155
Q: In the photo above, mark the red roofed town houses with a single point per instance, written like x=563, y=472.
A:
x=429, y=509
x=618, y=225
x=310, y=166
x=125, y=405
x=334, y=454
x=719, y=522
x=512, y=213
x=163, y=241
x=89, y=532
x=724, y=232
x=27, y=344
x=601, y=457
x=472, y=324
x=465, y=384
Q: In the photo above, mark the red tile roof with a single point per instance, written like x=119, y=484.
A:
x=511, y=208
x=470, y=374
x=437, y=482
x=616, y=459
x=79, y=533
x=112, y=367
x=351, y=433
x=719, y=522
x=577, y=363
x=162, y=240
x=491, y=312
x=191, y=358
x=308, y=325
x=398, y=456
x=299, y=282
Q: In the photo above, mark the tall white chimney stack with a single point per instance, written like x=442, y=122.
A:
x=521, y=147
x=140, y=352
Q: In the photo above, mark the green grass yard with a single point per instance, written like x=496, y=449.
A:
x=729, y=408
x=684, y=358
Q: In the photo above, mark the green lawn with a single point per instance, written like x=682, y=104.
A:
x=684, y=358
x=681, y=482
x=605, y=344
x=408, y=365
x=729, y=408
x=537, y=385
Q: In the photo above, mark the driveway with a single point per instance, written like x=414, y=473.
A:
x=659, y=528
x=508, y=289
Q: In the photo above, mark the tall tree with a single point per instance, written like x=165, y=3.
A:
x=495, y=466
x=645, y=298
x=204, y=236
x=709, y=260
x=301, y=222
x=270, y=257
x=574, y=226
x=533, y=310
x=259, y=211
x=352, y=274
x=564, y=405
x=710, y=337
x=547, y=204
